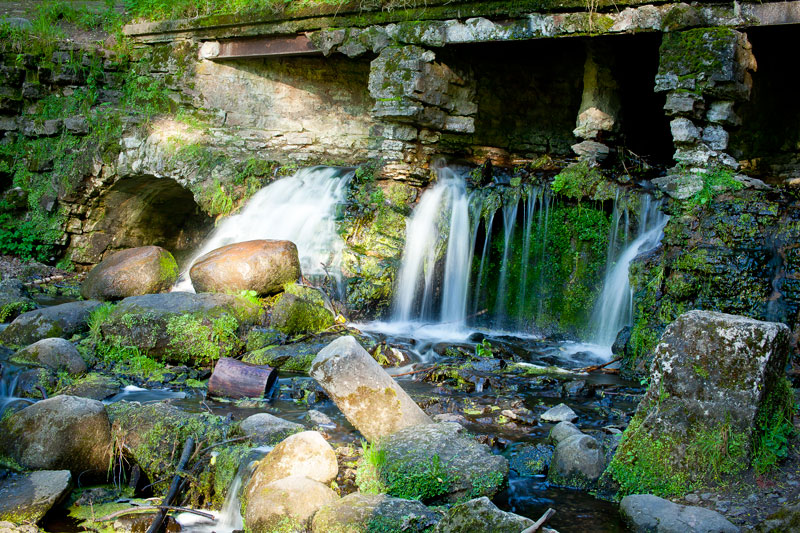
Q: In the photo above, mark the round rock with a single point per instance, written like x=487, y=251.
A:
x=287, y=503
x=363, y=513
x=131, y=272
x=263, y=266
x=645, y=513
x=54, y=353
x=265, y=428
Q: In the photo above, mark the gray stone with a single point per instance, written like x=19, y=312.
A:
x=646, y=513
x=27, y=498
x=319, y=419
x=367, y=395
x=559, y=413
x=293, y=499
x=53, y=353
x=363, y=513
x=578, y=461
x=680, y=186
x=480, y=515
x=684, y=130
x=62, y=432
x=76, y=125
x=716, y=137
x=562, y=431
x=8, y=124
x=531, y=459
x=722, y=112
x=63, y=320
x=471, y=467
x=14, y=298
x=694, y=156
x=591, y=150
x=265, y=428
x=94, y=386
x=684, y=104
x=305, y=454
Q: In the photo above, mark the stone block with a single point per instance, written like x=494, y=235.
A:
x=715, y=137
x=684, y=104
x=722, y=112
x=684, y=130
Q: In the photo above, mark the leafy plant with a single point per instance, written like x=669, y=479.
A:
x=484, y=349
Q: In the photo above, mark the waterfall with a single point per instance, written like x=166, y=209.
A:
x=300, y=208
x=440, y=220
x=509, y=223
x=614, y=307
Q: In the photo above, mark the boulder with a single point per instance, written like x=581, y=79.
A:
x=785, y=520
x=716, y=381
x=559, y=413
x=181, y=327
x=54, y=353
x=305, y=454
x=530, y=460
x=28, y=497
x=433, y=462
x=14, y=300
x=292, y=315
x=264, y=428
x=646, y=513
x=131, y=272
x=294, y=357
x=365, y=513
x=578, y=462
x=95, y=386
x=562, y=431
x=367, y=395
x=263, y=266
x=63, y=320
x=480, y=515
x=62, y=432
x=286, y=505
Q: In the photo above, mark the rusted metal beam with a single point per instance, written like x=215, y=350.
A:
x=259, y=47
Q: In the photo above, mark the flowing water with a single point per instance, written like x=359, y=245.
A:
x=300, y=208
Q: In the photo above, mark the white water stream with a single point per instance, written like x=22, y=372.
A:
x=300, y=208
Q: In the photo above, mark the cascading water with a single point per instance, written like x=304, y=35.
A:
x=440, y=220
x=300, y=208
x=614, y=307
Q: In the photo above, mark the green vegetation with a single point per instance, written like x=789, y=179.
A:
x=202, y=340
x=774, y=427
x=715, y=181
x=484, y=349
x=582, y=180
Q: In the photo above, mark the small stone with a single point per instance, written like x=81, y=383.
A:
x=559, y=413
x=707, y=496
x=692, y=498
x=320, y=420
x=265, y=428
x=684, y=130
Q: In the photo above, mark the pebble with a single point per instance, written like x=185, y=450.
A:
x=707, y=496
x=692, y=498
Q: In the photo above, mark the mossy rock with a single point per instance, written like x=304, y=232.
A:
x=293, y=315
x=369, y=513
x=296, y=357
x=63, y=320
x=95, y=386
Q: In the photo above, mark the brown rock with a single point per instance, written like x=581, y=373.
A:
x=264, y=266
x=131, y=272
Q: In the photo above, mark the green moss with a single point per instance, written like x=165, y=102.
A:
x=774, y=427
x=292, y=315
x=168, y=267
x=581, y=180
x=11, y=310
x=201, y=340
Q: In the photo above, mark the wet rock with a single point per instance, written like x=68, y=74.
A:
x=480, y=515
x=286, y=504
x=370, y=399
x=53, y=353
x=531, y=460
x=30, y=383
x=9, y=527
x=319, y=419
x=450, y=417
x=786, y=520
x=621, y=341
x=131, y=272
x=696, y=397
x=265, y=428
x=574, y=388
x=62, y=320
x=559, y=413
x=294, y=357
x=305, y=454
x=14, y=299
x=646, y=513
x=365, y=513
x=27, y=498
x=63, y=432
x=292, y=315
x=436, y=462
x=578, y=462
x=95, y=386
x=181, y=327
x=264, y=266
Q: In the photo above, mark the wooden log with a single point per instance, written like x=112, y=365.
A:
x=174, y=488
x=235, y=379
x=541, y=522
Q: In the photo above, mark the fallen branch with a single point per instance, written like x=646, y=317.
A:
x=541, y=522
x=331, y=329
x=415, y=371
x=598, y=367
x=174, y=488
x=132, y=510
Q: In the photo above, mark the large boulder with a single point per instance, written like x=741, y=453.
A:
x=578, y=462
x=263, y=266
x=131, y=272
x=367, y=395
x=265, y=428
x=293, y=314
x=305, y=454
x=60, y=433
x=181, y=327
x=365, y=513
x=717, y=381
x=286, y=505
x=63, y=320
x=481, y=515
x=432, y=462
x=28, y=497
x=54, y=353
x=646, y=513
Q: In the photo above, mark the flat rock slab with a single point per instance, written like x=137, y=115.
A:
x=57, y=321
x=646, y=513
x=27, y=498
